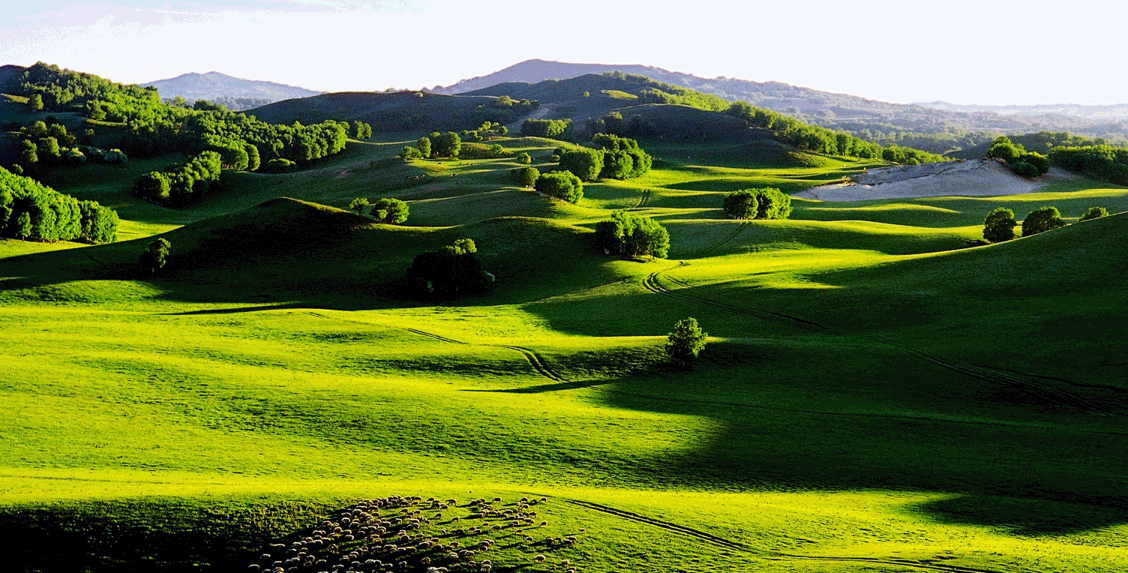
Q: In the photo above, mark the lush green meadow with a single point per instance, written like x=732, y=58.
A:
x=875, y=396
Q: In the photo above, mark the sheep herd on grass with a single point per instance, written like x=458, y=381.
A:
x=415, y=535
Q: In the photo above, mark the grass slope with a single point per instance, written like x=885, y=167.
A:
x=874, y=397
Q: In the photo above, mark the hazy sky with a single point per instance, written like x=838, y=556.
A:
x=983, y=51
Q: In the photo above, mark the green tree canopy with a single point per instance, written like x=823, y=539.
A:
x=584, y=163
x=632, y=235
x=389, y=210
x=741, y=204
x=1041, y=220
x=999, y=225
x=686, y=341
x=1094, y=213
x=155, y=255
x=562, y=185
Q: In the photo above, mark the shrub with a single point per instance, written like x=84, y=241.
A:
x=358, y=205
x=999, y=225
x=1024, y=169
x=686, y=341
x=279, y=165
x=1094, y=213
x=526, y=176
x=1041, y=220
x=562, y=185
x=583, y=163
x=632, y=235
x=524, y=158
x=454, y=269
x=155, y=255
x=393, y=211
x=771, y=203
x=408, y=153
x=496, y=150
x=741, y=204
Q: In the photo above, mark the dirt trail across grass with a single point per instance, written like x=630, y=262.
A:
x=537, y=361
x=774, y=556
x=979, y=177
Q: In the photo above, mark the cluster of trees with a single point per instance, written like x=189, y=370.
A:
x=503, y=110
x=485, y=131
x=1022, y=162
x=153, y=127
x=437, y=144
x=762, y=203
x=614, y=124
x=182, y=184
x=46, y=144
x=622, y=157
x=560, y=184
x=632, y=235
x=360, y=130
x=617, y=158
x=822, y=140
x=451, y=270
x=1000, y=223
x=386, y=210
x=1100, y=161
x=551, y=128
x=31, y=211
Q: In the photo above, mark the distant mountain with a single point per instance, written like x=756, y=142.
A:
x=235, y=93
x=926, y=126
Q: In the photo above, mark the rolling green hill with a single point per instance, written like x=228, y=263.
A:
x=874, y=395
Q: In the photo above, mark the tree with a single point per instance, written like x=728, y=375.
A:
x=496, y=150
x=446, y=144
x=526, y=176
x=1041, y=220
x=741, y=204
x=583, y=163
x=562, y=185
x=999, y=225
x=454, y=269
x=502, y=130
x=358, y=205
x=410, y=153
x=154, y=186
x=1003, y=148
x=1094, y=213
x=1024, y=169
x=388, y=210
x=686, y=341
x=156, y=255
x=632, y=235
x=524, y=158
x=35, y=102
x=254, y=159
x=771, y=203
x=424, y=145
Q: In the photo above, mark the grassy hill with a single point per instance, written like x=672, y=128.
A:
x=874, y=396
x=395, y=112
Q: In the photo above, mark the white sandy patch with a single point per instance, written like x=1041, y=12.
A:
x=980, y=177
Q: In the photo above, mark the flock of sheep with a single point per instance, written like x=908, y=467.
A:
x=415, y=535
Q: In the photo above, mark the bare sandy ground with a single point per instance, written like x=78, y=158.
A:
x=980, y=177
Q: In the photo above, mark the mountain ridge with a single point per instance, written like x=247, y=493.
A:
x=221, y=88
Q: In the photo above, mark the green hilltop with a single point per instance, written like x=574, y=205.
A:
x=879, y=391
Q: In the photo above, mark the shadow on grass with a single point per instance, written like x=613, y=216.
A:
x=1023, y=517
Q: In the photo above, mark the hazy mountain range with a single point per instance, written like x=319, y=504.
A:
x=235, y=93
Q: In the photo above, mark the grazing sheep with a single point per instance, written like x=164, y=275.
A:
x=539, y=559
x=253, y=568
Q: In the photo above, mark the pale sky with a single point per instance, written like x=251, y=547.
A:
x=960, y=51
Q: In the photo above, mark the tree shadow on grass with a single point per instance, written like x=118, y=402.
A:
x=1023, y=516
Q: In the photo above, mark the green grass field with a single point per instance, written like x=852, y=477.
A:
x=874, y=395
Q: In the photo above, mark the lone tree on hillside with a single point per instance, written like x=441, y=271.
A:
x=392, y=211
x=999, y=225
x=1094, y=213
x=1041, y=220
x=686, y=341
x=526, y=176
x=156, y=255
x=358, y=205
x=524, y=158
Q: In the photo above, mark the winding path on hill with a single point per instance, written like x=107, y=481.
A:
x=538, y=362
x=774, y=555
